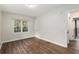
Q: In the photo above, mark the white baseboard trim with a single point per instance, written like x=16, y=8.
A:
x=17, y=39
x=33, y=36
x=37, y=36
x=51, y=41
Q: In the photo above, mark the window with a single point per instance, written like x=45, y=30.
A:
x=20, y=26
x=24, y=27
x=17, y=26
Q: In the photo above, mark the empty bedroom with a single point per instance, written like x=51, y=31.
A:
x=39, y=28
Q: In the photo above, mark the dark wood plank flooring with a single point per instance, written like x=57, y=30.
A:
x=36, y=46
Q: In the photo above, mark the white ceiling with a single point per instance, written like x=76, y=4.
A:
x=33, y=12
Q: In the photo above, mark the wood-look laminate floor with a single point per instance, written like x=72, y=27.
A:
x=36, y=46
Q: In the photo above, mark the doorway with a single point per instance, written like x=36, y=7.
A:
x=73, y=29
x=76, y=20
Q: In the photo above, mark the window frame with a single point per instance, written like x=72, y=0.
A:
x=21, y=22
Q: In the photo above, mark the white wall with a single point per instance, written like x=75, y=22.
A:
x=52, y=27
x=71, y=27
x=7, y=27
